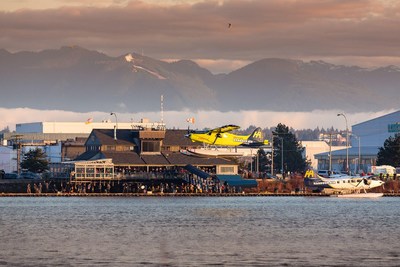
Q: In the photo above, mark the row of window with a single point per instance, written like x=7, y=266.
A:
x=147, y=146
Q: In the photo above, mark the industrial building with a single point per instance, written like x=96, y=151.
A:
x=365, y=139
x=61, y=141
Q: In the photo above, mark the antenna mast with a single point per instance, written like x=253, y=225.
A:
x=162, y=109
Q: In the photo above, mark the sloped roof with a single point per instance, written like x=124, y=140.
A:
x=170, y=158
x=124, y=158
x=177, y=138
x=87, y=155
x=353, y=152
x=395, y=114
x=106, y=137
x=177, y=158
x=155, y=159
x=236, y=180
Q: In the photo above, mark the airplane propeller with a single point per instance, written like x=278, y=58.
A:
x=218, y=135
x=189, y=132
x=365, y=181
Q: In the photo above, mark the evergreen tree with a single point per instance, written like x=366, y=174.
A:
x=35, y=161
x=389, y=154
x=263, y=160
x=292, y=150
x=5, y=130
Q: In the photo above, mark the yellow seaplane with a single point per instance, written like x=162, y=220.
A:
x=221, y=136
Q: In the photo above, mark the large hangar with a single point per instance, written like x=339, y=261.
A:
x=365, y=139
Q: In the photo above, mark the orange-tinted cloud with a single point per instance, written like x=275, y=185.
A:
x=259, y=29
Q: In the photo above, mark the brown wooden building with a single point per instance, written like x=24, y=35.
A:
x=147, y=151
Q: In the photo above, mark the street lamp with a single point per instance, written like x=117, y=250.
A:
x=281, y=155
x=116, y=125
x=359, y=152
x=272, y=156
x=274, y=134
x=347, y=142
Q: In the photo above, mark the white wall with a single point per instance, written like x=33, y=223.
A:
x=53, y=152
x=34, y=127
x=8, y=161
x=315, y=147
x=374, y=132
x=75, y=127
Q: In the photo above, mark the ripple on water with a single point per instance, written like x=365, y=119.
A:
x=243, y=231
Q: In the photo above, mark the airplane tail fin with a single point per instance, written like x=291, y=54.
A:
x=257, y=135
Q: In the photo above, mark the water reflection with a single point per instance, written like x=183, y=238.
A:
x=199, y=231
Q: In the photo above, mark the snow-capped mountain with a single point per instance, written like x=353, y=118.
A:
x=74, y=78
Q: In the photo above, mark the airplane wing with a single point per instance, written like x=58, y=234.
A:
x=225, y=128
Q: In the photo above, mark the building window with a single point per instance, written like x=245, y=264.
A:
x=227, y=169
x=151, y=146
x=110, y=148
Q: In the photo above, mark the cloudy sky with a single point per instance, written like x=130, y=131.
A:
x=351, y=32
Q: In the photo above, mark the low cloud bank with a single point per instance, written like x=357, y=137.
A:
x=203, y=119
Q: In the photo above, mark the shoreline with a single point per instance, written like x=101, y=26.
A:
x=175, y=195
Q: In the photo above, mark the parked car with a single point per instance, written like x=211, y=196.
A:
x=11, y=175
x=29, y=175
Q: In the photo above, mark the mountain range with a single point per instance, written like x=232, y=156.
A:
x=78, y=79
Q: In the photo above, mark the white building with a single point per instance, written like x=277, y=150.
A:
x=8, y=159
x=81, y=127
x=49, y=136
x=365, y=140
x=373, y=133
x=311, y=148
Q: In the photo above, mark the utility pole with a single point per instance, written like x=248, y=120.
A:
x=347, y=142
x=281, y=155
x=330, y=153
x=272, y=164
x=17, y=146
x=272, y=155
x=116, y=125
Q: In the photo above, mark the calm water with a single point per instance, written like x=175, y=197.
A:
x=199, y=231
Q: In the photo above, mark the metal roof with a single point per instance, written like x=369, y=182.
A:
x=236, y=180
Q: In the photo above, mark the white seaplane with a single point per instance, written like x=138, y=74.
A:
x=343, y=185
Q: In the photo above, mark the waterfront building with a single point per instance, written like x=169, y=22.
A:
x=61, y=141
x=149, y=152
x=365, y=140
